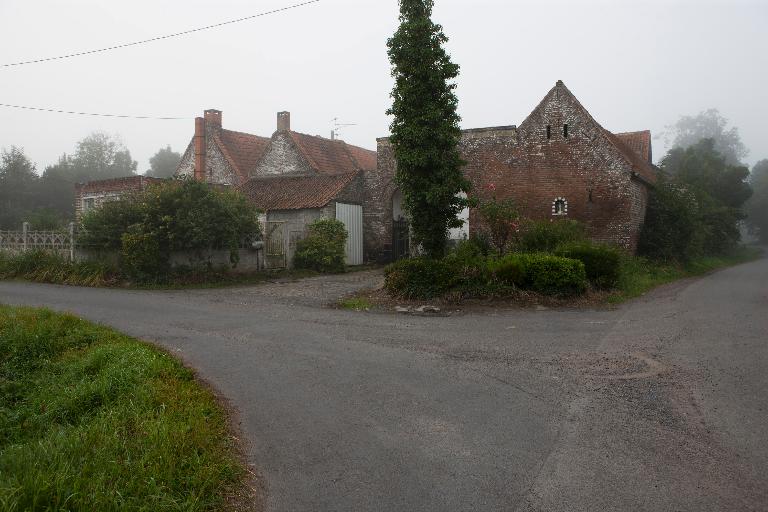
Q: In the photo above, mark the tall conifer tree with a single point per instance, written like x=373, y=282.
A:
x=425, y=129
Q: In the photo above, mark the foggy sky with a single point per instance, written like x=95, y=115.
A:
x=634, y=65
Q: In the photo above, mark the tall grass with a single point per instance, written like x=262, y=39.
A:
x=93, y=420
x=639, y=275
x=46, y=267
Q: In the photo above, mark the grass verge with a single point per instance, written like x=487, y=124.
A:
x=91, y=419
x=356, y=304
x=639, y=276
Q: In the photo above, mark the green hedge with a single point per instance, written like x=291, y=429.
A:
x=553, y=275
x=547, y=236
x=602, y=263
x=420, y=278
x=323, y=249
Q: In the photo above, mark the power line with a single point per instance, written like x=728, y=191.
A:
x=121, y=116
x=159, y=38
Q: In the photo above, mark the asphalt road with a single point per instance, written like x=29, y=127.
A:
x=658, y=405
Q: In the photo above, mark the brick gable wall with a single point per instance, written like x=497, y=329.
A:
x=585, y=168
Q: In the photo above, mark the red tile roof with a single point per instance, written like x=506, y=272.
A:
x=639, y=142
x=640, y=165
x=242, y=150
x=295, y=192
x=328, y=156
x=128, y=183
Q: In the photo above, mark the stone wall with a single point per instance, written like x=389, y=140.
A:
x=282, y=158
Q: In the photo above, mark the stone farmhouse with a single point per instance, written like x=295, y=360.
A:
x=560, y=163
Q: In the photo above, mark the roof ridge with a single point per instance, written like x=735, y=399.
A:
x=243, y=133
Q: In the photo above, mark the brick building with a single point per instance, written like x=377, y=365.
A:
x=292, y=177
x=559, y=163
x=95, y=193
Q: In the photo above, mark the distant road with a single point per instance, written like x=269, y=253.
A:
x=659, y=405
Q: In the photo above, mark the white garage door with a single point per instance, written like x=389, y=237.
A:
x=352, y=217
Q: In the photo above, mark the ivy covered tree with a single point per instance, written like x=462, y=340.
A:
x=425, y=127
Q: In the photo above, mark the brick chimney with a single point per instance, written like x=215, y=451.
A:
x=213, y=118
x=200, y=147
x=283, y=121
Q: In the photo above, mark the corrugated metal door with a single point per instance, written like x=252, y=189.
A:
x=352, y=217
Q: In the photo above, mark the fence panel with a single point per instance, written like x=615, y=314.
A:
x=18, y=242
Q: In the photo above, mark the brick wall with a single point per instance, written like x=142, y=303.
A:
x=585, y=168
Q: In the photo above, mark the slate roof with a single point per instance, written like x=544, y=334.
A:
x=328, y=156
x=295, y=192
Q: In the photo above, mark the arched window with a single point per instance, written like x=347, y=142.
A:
x=560, y=206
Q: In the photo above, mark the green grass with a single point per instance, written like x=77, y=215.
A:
x=356, y=304
x=91, y=419
x=639, y=275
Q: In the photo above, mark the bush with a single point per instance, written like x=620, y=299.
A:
x=47, y=267
x=546, y=236
x=672, y=230
x=420, y=278
x=323, y=248
x=602, y=263
x=553, y=275
x=171, y=216
x=509, y=271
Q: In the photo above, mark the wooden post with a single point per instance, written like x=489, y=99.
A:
x=72, y=242
x=24, y=230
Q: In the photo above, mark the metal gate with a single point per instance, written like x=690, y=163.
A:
x=274, y=238
x=401, y=239
x=352, y=217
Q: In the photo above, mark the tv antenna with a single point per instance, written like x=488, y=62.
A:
x=337, y=126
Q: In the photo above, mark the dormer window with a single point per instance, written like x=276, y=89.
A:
x=565, y=131
x=549, y=132
x=560, y=206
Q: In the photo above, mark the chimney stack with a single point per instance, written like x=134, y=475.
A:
x=213, y=118
x=200, y=147
x=283, y=121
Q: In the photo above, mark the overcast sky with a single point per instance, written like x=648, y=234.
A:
x=634, y=64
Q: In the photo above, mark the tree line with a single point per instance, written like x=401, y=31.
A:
x=46, y=199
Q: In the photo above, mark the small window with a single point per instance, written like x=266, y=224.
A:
x=565, y=131
x=549, y=132
x=560, y=206
x=88, y=204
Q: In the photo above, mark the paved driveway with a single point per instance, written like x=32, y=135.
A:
x=659, y=405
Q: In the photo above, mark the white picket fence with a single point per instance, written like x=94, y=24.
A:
x=26, y=240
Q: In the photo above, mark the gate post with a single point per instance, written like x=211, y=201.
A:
x=24, y=230
x=72, y=242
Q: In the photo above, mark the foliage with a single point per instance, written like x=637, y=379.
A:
x=602, y=263
x=546, y=236
x=419, y=278
x=174, y=216
x=164, y=163
x=502, y=221
x=18, y=181
x=323, y=249
x=705, y=171
x=710, y=124
x=356, y=304
x=46, y=267
x=509, y=270
x=425, y=127
x=757, y=206
x=553, y=275
x=672, y=227
x=93, y=420
x=45, y=219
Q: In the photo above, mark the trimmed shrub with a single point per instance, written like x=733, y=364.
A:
x=323, y=248
x=420, y=278
x=602, y=263
x=553, y=275
x=546, y=236
x=509, y=271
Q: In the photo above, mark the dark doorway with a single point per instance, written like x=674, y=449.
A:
x=400, y=239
